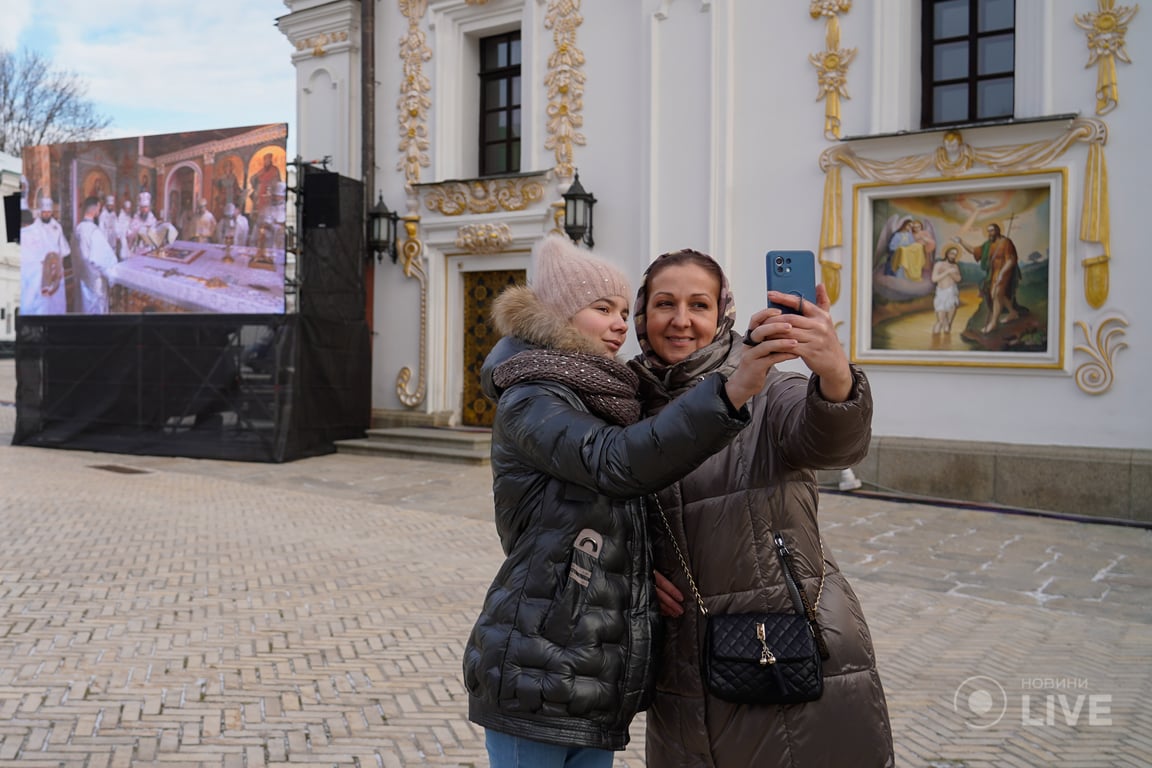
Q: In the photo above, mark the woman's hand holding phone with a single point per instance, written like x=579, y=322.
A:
x=799, y=323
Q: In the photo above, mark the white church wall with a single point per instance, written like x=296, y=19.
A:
x=702, y=128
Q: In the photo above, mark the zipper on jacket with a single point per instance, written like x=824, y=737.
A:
x=798, y=598
x=786, y=564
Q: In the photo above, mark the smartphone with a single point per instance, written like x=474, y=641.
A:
x=791, y=272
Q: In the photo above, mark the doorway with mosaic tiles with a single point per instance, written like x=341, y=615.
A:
x=480, y=289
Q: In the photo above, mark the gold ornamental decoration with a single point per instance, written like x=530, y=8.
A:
x=317, y=42
x=455, y=198
x=828, y=8
x=1095, y=226
x=954, y=157
x=414, y=102
x=484, y=238
x=1096, y=376
x=410, y=252
x=564, y=82
x=558, y=218
x=831, y=223
x=1106, y=31
x=832, y=75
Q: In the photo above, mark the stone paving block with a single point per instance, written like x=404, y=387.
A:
x=245, y=627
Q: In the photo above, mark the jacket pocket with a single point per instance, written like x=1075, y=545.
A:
x=567, y=607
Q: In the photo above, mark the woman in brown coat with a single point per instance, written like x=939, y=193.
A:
x=725, y=514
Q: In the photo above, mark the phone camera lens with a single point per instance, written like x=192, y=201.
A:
x=779, y=260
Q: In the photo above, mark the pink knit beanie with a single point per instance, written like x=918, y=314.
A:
x=568, y=278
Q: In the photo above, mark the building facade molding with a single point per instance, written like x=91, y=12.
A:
x=832, y=63
x=564, y=84
x=1106, y=31
x=484, y=237
x=453, y=198
x=1096, y=376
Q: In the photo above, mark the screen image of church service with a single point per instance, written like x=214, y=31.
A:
x=178, y=222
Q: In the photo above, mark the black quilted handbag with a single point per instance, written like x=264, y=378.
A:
x=762, y=658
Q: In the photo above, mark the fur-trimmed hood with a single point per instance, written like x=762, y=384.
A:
x=527, y=323
x=518, y=312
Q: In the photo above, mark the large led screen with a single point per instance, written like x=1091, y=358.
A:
x=179, y=222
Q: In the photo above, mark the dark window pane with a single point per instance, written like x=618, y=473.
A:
x=994, y=98
x=495, y=158
x=950, y=19
x=950, y=103
x=499, y=103
x=489, y=56
x=496, y=126
x=968, y=60
x=951, y=61
x=494, y=94
x=995, y=14
x=996, y=55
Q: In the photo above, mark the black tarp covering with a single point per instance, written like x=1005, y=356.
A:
x=238, y=387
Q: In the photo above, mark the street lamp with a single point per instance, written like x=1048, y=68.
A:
x=383, y=229
x=578, y=212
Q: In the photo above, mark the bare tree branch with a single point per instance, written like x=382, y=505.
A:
x=41, y=105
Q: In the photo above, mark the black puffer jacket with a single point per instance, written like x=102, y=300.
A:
x=563, y=650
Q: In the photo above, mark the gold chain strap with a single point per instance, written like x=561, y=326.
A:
x=692, y=582
x=679, y=554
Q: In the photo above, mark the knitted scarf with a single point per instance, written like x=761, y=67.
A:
x=607, y=387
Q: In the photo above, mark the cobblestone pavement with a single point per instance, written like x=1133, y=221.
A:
x=206, y=613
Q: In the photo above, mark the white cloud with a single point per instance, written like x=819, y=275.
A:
x=17, y=15
x=211, y=64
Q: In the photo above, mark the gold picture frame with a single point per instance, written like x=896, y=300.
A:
x=961, y=272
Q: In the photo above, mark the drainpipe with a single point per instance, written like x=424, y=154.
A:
x=368, y=138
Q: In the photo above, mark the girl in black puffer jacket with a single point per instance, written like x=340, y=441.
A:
x=561, y=658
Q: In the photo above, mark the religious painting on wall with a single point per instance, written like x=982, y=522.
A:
x=180, y=222
x=966, y=272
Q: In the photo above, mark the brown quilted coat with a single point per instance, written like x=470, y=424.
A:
x=723, y=515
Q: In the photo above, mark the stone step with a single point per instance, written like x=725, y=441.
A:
x=427, y=443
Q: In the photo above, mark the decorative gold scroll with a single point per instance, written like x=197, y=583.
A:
x=484, y=238
x=565, y=84
x=954, y=157
x=1106, y=30
x=828, y=8
x=832, y=69
x=317, y=42
x=410, y=253
x=454, y=198
x=414, y=102
x=1096, y=376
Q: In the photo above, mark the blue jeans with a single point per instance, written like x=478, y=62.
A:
x=506, y=751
